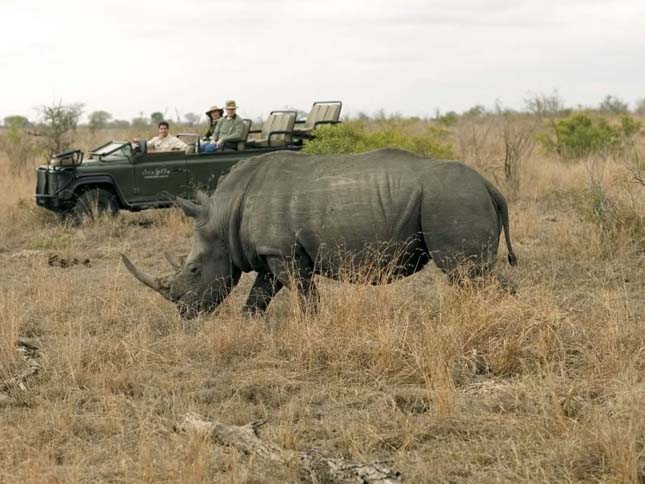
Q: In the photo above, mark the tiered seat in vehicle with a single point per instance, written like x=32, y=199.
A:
x=241, y=144
x=322, y=112
x=277, y=130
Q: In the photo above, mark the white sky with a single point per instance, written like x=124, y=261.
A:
x=405, y=56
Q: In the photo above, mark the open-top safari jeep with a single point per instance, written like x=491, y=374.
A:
x=120, y=175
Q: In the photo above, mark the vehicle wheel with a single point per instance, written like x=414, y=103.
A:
x=94, y=203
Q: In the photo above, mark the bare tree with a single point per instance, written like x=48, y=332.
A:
x=58, y=126
x=613, y=105
x=477, y=143
x=518, y=133
x=545, y=106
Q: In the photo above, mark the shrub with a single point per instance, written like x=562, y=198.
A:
x=342, y=138
x=19, y=149
x=582, y=134
x=16, y=121
x=98, y=120
x=451, y=118
x=617, y=219
x=156, y=118
x=351, y=137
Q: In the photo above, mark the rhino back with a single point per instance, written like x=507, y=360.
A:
x=325, y=202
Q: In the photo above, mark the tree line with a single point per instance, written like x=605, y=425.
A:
x=70, y=115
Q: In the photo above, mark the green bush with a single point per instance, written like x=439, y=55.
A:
x=451, y=118
x=582, y=134
x=352, y=137
x=20, y=149
x=616, y=218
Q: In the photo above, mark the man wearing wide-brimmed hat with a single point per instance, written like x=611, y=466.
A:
x=214, y=114
x=227, y=132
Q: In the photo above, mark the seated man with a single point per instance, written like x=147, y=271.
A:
x=165, y=141
x=227, y=132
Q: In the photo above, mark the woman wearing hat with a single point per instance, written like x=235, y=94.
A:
x=227, y=132
x=214, y=114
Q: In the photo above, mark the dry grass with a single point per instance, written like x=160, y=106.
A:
x=450, y=385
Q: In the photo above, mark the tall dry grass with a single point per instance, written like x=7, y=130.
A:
x=449, y=384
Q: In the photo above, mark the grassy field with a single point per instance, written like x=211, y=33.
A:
x=445, y=384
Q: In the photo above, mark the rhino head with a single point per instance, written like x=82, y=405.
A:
x=207, y=275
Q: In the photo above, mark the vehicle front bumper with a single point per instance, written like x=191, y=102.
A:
x=52, y=190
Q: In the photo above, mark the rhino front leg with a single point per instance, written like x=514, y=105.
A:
x=298, y=274
x=265, y=287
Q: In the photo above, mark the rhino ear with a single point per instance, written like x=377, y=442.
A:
x=191, y=209
x=203, y=198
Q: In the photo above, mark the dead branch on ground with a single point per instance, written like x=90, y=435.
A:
x=315, y=467
x=30, y=354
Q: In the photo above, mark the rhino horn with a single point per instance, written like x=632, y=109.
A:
x=174, y=261
x=191, y=209
x=152, y=282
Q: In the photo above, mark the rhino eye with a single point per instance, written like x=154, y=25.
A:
x=194, y=270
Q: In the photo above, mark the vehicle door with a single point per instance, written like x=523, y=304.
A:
x=113, y=160
x=156, y=173
x=205, y=169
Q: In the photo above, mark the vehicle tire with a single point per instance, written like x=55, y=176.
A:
x=94, y=203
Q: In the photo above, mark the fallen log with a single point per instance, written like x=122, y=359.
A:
x=30, y=352
x=315, y=466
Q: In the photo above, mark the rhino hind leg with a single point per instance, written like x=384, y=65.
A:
x=264, y=289
x=464, y=256
x=474, y=268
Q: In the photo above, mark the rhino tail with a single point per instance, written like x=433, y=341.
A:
x=502, y=210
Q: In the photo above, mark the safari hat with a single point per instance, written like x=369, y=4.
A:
x=214, y=108
x=230, y=105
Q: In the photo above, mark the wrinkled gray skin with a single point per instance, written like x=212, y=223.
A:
x=288, y=216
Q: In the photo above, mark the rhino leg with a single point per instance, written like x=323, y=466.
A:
x=298, y=273
x=308, y=296
x=265, y=287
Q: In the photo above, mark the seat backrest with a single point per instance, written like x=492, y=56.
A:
x=267, y=125
x=323, y=111
x=247, y=128
x=279, y=121
x=245, y=134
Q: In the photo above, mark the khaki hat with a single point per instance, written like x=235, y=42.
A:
x=214, y=108
x=230, y=105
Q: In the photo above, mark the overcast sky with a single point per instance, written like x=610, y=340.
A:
x=405, y=56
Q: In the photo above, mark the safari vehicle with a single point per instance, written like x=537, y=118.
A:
x=121, y=176
x=115, y=176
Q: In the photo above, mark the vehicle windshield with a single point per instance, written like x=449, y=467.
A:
x=111, y=150
x=107, y=148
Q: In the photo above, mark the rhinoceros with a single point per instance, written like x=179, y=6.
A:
x=288, y=216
